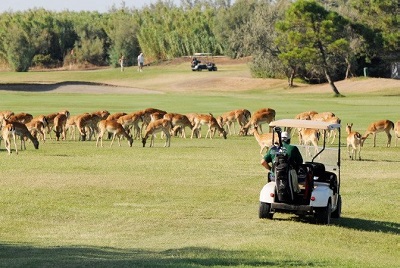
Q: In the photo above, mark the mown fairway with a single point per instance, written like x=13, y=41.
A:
x=195, y=204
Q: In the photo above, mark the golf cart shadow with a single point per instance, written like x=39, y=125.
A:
x=353, y=223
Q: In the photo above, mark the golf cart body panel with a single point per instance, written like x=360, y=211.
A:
x=318, y=177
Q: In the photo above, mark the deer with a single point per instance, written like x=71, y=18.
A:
x=180, y=121
x=132, y=120
x=264, y=140
x=353, y=142
x=309, y=136
x=50, y=120
x=207, y=119
x=192, y=117
x=8, y=133
x=6, y=114
x=60, y=122
x=70, y=125
x=322, y=116
x=23, y=118
x=146, y=117
x=89, y=121
x=38, y=125
x=332, y=133
x=262, y=116
x=305, y=115
x=241, y=116
x=376, y=127
x=116, y=129
x=22, y=131
x=114, y=116
x=160, y=125
x=397, y=131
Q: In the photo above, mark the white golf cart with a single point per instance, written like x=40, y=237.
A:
x=318, y=176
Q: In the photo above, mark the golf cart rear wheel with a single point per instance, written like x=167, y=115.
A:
x=265, y=211
x=323, y=215
x=336, y=214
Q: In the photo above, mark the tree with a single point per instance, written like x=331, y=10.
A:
x=313, y=37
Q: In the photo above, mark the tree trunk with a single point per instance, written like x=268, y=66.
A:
x=291, y=78
x=328, y=77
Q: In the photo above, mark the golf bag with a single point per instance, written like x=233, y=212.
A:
x=283, y=180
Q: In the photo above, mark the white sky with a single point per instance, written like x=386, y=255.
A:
x=72, y=5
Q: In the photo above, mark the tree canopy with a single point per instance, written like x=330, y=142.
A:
x=314, y=40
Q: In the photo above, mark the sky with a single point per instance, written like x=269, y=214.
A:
x=72, y=5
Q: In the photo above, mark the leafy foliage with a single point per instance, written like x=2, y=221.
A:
x=164, y=30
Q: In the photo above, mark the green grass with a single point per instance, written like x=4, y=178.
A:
x=195, y=204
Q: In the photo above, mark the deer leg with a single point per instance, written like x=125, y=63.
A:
x=389, y=139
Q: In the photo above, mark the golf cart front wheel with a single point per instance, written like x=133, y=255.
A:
x=265, y=211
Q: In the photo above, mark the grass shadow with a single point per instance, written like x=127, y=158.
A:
x=16, y=255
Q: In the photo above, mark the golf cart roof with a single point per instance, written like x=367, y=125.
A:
x=202, y=54
x=296, y=123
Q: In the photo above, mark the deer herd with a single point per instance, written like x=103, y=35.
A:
x=144, y=124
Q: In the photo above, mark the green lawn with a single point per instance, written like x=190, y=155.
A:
x=195, y=204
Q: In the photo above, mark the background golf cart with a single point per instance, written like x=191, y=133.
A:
x=319, y=178
x=202, y=61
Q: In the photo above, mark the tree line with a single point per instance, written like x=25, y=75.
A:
x=315, y=40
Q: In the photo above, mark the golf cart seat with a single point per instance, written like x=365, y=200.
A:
x=321, y=175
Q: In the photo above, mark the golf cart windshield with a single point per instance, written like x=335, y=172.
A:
x=324, y=153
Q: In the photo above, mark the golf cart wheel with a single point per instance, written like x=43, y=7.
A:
x=336, y=214
x=323, y=215
x=215, y=69
x=265, y=211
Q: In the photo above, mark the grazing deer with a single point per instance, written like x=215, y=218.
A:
x=160, y=125
x=38, y=125
x=22, y=131
x=180, y=121
x=305, y=115
x=8, y=133
x=264, y=140
x=376, y=127
x=146, y=117
x=60, y=122
x=116, y=129
x=89, y=122
x=241, y=116
x=353, y=141
x=23, y=118
x=130, y=121
x=262, y=116
x=309, y=136
x=397, y=131
x=207, y=119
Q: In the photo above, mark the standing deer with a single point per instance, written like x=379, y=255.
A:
x=397, y=131
x=353, y=141
x=8, y=133
x=264, y=140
